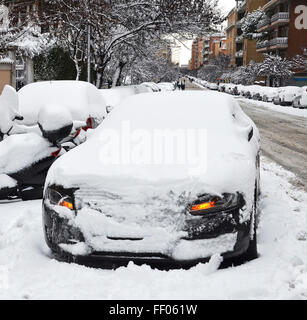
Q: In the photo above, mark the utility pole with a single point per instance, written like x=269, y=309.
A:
x=89, y=53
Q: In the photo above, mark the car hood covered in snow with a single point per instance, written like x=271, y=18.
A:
x=206, y=148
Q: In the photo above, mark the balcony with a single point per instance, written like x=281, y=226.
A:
x=277, y=43
x=239, y=54
x=280, y=18
x=271, y=3
x=277, y=19
x=239, y=39
x=263, y=45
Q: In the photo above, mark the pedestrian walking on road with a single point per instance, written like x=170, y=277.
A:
x=183, y=84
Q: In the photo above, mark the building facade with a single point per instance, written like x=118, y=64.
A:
x=284, y=31
x=240, y=50
x=205, y=48
x=231, y=34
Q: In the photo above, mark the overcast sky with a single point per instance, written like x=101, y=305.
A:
x=227, y=5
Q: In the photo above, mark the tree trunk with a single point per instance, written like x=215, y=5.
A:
x=78, y=70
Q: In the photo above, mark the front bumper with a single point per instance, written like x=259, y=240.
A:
x=217, y=233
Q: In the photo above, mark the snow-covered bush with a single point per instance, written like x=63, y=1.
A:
x=300, y=61
x=276, y=69
x=250, y=22
x=26, y=37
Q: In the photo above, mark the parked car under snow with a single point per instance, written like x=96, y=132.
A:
x=300, y=101
x=288, y=94
x=82, y=99
x=119, y=197
x=114, y=96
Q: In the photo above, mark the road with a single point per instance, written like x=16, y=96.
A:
x=283, y=137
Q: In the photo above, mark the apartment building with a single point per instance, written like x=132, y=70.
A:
x=194, y=55
x=231, y=33
x=205, y=48
x=240, y=50
x=281, y=33
x=217, y=45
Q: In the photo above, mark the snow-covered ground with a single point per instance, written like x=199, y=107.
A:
x=28, y=272
x=278, y=108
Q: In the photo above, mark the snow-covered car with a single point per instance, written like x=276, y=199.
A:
x=300, y=101
x=257, y=93
x=269, y=93
x=235, y=91
x=125, y=194
x=166, y=86
x=229, y=87
x=114, y=96
x=152, y=85
x=221, y=87
x=240, y=89
x=288, y=94
x=213, y=86
x=276, y=98
x=82, y=99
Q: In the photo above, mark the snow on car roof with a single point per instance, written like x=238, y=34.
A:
x=203, y=109
x=81, y=98
x=115, y=95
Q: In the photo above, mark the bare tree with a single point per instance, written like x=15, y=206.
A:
x=117, y=23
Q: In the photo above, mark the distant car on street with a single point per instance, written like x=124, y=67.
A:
x=213, y=86
x=288, y=94
x=116, y=198
x=300, y=101
x=152, y=85
x=269, y=93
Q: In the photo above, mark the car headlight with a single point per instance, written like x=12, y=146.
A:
x=207, y=203
x=59, y=197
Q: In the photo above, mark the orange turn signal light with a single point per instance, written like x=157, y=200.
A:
x=203, y=206
x=67, y=204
